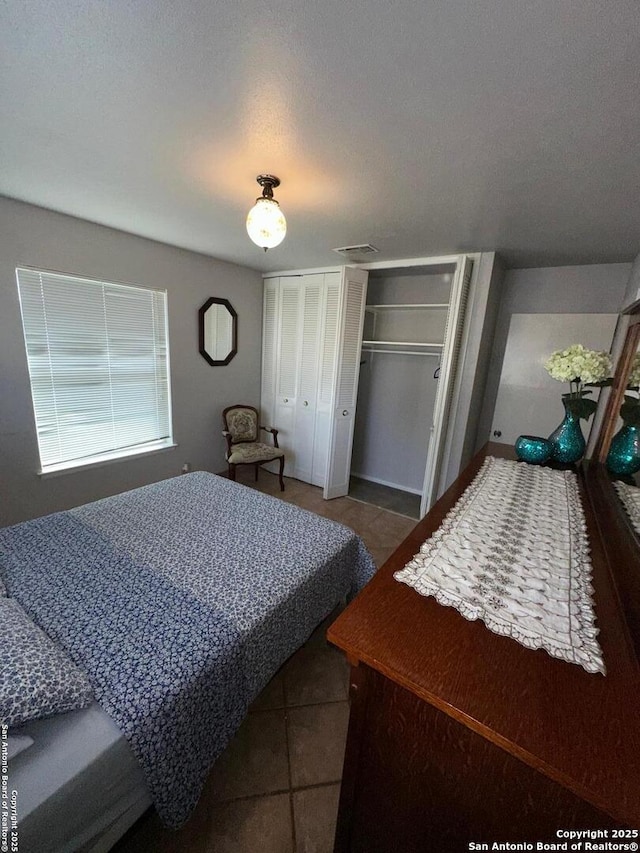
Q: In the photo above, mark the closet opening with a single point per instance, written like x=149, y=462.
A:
x=404, y=335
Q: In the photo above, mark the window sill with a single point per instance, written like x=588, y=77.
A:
x=106, y=459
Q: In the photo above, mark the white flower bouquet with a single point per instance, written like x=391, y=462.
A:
x=633, y=383
x=583, y=369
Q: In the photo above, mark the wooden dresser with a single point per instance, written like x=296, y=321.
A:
x=460, y=736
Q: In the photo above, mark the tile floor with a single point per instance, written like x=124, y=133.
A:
x=275, y=789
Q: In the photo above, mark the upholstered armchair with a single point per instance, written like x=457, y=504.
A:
x=241, y=431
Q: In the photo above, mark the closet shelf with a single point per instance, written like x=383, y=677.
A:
x=401, y=344
x=403, y=352
x=405, y=306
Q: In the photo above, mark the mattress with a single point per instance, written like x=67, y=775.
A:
x=79, y=786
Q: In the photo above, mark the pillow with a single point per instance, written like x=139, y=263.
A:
x=17, y=744
x=38, y=679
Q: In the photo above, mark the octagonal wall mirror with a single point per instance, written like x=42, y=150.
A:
x=218, y=331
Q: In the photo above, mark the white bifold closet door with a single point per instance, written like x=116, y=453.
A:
x=318, y=314
x=312, y=328
x=305, y=414
x=354, y=293
x=317, y=359
x=328, y=354
x=448, y=369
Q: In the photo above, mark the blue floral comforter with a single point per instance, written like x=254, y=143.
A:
x=181, y=600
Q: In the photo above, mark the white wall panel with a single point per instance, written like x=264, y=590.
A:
x=529, y=400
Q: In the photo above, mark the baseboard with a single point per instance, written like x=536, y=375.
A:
x=386, y=483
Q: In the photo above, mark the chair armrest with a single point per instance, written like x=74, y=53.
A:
x=227, y=436
x=274, y=433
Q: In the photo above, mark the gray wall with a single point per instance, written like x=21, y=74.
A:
x=36, y=237
x=593, y=289
x=396, y=398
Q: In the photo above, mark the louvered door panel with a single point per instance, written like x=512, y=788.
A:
x=289, y=330
x=287, y=367
x=311, y=299
x=330, y=316
x=351, y=344
x=329, y=339
x=269, y=349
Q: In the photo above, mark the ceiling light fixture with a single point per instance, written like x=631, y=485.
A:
x=266, y=224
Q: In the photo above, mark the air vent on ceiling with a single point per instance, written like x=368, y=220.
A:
x=364, y=249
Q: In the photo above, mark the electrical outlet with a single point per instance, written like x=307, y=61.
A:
x=186, y=467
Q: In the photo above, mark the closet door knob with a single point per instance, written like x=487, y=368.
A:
x=286, y=400
x=345, y=412
x=305, y=403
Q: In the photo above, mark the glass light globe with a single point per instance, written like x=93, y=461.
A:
x=266, y=224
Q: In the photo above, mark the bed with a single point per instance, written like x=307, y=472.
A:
x=180, y=601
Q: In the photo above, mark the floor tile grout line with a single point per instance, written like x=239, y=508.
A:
x=383, y=508
x=305, y=705
x=316, y=704
x=288, y=746
x=279, y=792
x=248, y=797
x=293, y=822
x=329, y=784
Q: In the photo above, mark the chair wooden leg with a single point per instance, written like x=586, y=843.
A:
x=280, y=474
x=257, y=465
x=232, y=472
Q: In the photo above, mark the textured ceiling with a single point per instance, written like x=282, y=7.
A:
x=421, y=126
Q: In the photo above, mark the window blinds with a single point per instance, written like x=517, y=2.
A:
x=99, y=367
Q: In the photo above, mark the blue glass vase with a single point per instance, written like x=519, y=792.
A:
x=567, y=441
x=624, y=453
x=533, y=449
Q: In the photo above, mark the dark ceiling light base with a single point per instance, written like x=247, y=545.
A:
x=268, y=184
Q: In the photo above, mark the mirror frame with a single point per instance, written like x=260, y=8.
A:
x=610, y=419
x=216, y=300
x=621, y=540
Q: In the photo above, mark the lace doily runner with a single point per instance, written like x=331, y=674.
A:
x=630, y=497
x=513, y=552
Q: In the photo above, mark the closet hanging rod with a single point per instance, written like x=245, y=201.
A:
x=402, y=352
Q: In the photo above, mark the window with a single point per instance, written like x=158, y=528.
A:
x=99, y=367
